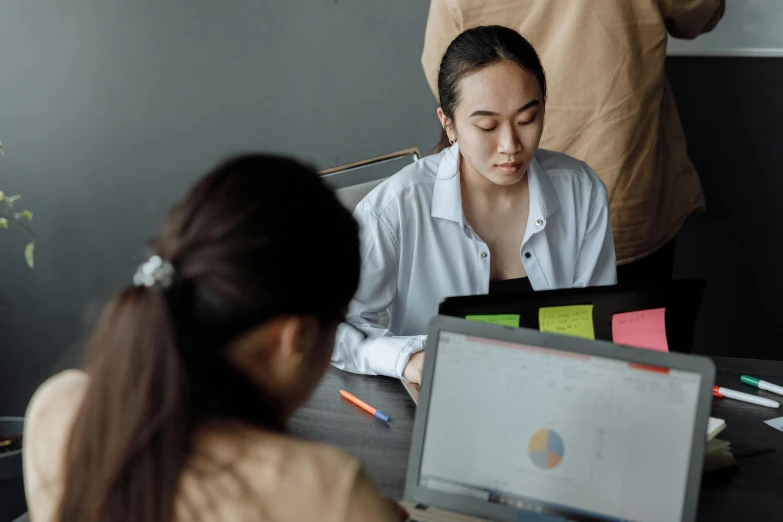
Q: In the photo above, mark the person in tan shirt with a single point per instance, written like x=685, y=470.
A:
x=193, y=370
x=609, y=104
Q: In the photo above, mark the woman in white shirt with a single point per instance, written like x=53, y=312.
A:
x=489, y=208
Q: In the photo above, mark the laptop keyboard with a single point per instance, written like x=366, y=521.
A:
x=420, y=513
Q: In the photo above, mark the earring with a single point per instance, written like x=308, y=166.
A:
x=451, y=141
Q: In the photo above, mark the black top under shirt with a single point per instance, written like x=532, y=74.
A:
x=510, y=286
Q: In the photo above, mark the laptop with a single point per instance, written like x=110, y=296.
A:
x=680, y=298
x=514, y=425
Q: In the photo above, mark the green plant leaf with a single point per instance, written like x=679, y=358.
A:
x=4, y=223
x=10, y=200
x=25, y=214
x=28, y=254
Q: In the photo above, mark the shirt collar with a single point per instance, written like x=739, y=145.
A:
x=543, y=198
x=447, y=197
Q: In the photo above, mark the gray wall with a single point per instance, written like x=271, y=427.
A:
x=110, y=109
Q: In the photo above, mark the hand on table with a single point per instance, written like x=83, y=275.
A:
x=412, y=372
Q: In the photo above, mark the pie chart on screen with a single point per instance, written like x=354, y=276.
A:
x=546, y=449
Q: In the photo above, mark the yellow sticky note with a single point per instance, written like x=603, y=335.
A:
x=568, y=320
x=501, y=319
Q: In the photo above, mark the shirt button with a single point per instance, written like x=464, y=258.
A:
x=527, y=255
x=483, y=255
x=539, y=222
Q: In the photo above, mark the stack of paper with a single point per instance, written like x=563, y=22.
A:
x=714, y=426
x=718, y=452
x=718, y=455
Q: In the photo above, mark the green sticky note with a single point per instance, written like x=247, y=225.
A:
x=501, y=319
x=568, y=320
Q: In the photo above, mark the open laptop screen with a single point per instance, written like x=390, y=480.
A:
x=584, y=437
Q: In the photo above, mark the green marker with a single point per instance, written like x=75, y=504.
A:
x=762, y=385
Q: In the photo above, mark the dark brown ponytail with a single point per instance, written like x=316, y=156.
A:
x=130, y=434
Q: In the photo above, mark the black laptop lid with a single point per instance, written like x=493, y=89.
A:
x=680, y=298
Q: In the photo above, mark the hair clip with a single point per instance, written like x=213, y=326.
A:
x=155, y=272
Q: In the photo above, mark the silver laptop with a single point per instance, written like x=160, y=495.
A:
x=516, y=425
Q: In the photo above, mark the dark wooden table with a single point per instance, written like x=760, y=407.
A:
x=754, y=492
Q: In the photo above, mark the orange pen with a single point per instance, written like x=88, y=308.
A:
x=366, y=407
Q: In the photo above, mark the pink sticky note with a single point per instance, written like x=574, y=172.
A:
x=642, y=329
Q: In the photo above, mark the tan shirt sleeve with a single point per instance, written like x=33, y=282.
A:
x=48, y=423
x=443, y=25
x=690, y=18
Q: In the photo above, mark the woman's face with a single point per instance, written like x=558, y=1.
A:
x=498, y=122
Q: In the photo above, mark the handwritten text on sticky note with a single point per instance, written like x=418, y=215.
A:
x=568, y=320
x=642, y=329
x=500, y=319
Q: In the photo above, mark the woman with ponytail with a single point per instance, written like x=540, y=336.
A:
x=194, y=369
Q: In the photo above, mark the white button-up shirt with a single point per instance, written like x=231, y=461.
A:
x=417, y=249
